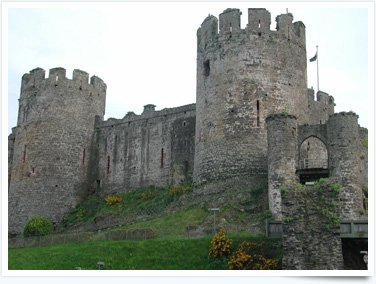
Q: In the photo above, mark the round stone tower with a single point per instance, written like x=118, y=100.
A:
x=344, y=163
x=52, y=144
x=282, y=157
x=243, y=75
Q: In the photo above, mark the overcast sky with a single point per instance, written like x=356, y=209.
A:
x=146, y=52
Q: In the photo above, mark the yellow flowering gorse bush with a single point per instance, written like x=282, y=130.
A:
x=220, y=246
x=243, y=259
x=113, y=200
x=148, y=195
x=178, y=189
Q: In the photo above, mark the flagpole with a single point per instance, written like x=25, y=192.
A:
x=317, y=59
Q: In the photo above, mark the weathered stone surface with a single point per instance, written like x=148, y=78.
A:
x=242, y=77
x=61, y=149
x=154, y=148
x=310, y=231
x=337, y=141
x=52, y=144
x=282, y=157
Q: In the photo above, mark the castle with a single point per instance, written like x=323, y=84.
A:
x=254, y=119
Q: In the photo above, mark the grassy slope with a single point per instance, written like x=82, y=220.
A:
x=124, y=255
x=181, y=254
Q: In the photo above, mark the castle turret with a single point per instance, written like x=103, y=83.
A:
x=52, y=144
x=242, y=77
x=282, y=157
x=344, y=163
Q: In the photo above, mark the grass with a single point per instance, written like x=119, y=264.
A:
x=151, y=199
x=175, y=223
x=178, y=254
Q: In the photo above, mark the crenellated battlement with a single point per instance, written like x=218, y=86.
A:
x=148, y=113
x=321, y=108
x=57, y=76
x=259, y=21
x=57, y=92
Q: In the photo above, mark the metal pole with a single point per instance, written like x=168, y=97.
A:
x=214, y=224
x=317, y=60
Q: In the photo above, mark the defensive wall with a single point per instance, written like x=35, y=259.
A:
x=340, y=137
x=154, y=148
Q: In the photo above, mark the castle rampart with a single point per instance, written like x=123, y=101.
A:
x=154, y=148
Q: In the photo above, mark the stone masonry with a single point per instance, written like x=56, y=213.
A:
x=62, y=150
x=311, y=231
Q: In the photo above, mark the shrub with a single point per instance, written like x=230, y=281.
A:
x=178, y=190
x=38, y=226
x=113, y=200
x=148, y=195
x=365, y=142
x=243, y=259
x=220, y=246
x=284, y=189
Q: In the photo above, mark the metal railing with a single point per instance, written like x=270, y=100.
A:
x=313, y=164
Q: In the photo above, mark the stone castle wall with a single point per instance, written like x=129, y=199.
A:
x=310, y=228
x=52, y=144
x=243, y=75
x=154, y=148
x=340, y=140
x=344, y=161
x=282, y=157
x=320, y=109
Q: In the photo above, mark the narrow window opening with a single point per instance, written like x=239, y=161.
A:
x=320, y=121
x=207, y=68
x=83, y=157
x=24, y=154
x=258, y=113
x=230, y=28
x=259, y=24
x=162, y=156
x=98, y=183
x=184, y=123
x=33, y=170
x=115, y=147
x=108, y=165
x=56, y=79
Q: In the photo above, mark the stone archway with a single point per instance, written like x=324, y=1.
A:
x=313, y=154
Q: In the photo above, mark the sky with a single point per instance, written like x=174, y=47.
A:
x=146, y=52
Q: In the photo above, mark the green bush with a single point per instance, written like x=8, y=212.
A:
x=38, y=226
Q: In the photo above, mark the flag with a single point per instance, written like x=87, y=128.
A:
x=313, y=58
